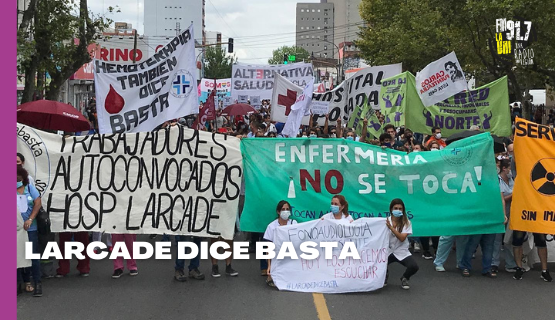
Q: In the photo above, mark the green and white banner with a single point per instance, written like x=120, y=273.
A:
x=486, y=106
x=454, y=191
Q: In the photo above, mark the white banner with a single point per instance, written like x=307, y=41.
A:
x=363, y=85
x=258, y=80
x=370, y=237
x=300, y=109
x=223, y=89
x=139, y=97
x=440, y=80
x=174, y=181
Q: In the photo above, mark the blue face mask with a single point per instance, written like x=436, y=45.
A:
x=350, y=138
x=334, y=209
x=397, y=213
x=19, y=184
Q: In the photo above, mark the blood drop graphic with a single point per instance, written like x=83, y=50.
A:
x=114, y=102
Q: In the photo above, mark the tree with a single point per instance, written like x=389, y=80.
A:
x=417, y=32
x=300, y=53
x=217, y=63
x=49, y=46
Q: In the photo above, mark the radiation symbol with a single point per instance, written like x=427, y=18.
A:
x=543, y=177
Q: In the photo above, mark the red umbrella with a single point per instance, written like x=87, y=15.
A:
x=52, y=115
x=238, y=109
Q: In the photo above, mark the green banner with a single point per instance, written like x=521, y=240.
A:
x=375, y=128
x=486, y=106
x=454, y=191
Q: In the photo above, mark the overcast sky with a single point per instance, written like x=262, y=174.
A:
x=272, y=20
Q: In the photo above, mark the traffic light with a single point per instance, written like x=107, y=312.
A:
x=285, y=58
x=230, y=45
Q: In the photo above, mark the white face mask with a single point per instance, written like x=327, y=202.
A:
x=438, y=135
x=285, y=214
x=434, y=149
x=332, y=135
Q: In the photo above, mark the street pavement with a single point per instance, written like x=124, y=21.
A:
x=154, y=294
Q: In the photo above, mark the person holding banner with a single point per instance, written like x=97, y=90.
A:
x=399, y=225
x=29, y=204
x=339, y=209
x=541, y=244
x=283, y=211
x=127, y=240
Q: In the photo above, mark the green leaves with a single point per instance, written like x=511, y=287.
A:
x=300, y=54
x=217, y=64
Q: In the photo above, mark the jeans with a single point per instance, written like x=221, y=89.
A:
x=35, y=263
x=408, y=262
x=486, y=243
x=444, y=248
x=507, y=249
x=195, y=262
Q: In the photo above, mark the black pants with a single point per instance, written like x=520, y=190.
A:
x=408, y=262
x=425, y=243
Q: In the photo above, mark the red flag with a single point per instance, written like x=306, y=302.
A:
x=207, y=113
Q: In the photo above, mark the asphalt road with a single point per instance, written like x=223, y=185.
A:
x=153, y=294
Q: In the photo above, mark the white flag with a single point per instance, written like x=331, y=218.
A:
x=440, y=80
x=300, y=109
x=139, y=97
x=284, y=96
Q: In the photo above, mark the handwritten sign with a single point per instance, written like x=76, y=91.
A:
x=370, y=237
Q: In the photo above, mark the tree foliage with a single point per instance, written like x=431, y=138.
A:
x=48, y=45
x=300, y=53
x=417, y=32
x=217, y=64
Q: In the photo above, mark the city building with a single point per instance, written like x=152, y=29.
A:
x=165, y=18
x=314, y=28
x=347, y=21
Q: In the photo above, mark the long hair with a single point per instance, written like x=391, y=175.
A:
x=344, y=203
x=281, y=204
x=23, y=174
x=404, y=221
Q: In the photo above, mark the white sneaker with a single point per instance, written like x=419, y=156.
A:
x=440, y=269
x=416, y=247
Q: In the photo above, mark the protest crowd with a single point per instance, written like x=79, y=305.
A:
x=495, y=248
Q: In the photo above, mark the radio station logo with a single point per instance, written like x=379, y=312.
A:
x=513, y=39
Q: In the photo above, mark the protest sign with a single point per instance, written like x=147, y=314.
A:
x=335, y=275
x=139, y=97
x=440, y=80
x=320, y=107
x=222, y=86
x=363, y=86
x=255, y=101
x=444, y=191
x=243, y=98
x=172, y=181
x=227, y=101
x=258, y=80
x=487, y=106
x=533, y=205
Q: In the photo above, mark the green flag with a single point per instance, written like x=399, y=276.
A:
x=486, y=106
x=454, y=191
x=393, y=99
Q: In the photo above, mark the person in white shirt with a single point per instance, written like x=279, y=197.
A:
x=401, y=228
x=283, y=211
x=339, y=209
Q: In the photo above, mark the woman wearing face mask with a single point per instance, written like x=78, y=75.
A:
x=339, y=209
x=29, y=203
x=283, y=211
x=434, y=146
x=400, y=227
x=417, y=148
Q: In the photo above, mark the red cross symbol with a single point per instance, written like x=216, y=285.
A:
x=288, y=100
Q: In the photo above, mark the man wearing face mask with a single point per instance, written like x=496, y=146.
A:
x=351, y=136
x=385, y=140
x=436, y=137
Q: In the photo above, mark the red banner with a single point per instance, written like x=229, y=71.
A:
x=207, y=113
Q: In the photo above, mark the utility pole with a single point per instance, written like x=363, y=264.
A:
x=135, y=46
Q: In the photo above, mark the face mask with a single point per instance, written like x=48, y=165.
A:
x=304, y=136
x=387, y=144
x=20, y=184
x=313, y=136
x=332, y=135
x=435, y=149
x=285, y=214
x=416, y=151
x=350, y=138
x=334, y=209
x=438, y=135
x=397, y=213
